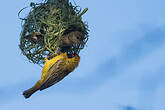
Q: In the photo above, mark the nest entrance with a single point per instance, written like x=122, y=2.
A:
x=50, y=25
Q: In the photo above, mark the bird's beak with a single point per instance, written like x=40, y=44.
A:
x=72, y=55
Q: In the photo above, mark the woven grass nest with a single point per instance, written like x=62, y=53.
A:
x=50, y=25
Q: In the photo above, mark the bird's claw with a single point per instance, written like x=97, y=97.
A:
x=46, y=59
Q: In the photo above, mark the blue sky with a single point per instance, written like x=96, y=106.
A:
x=121, y=68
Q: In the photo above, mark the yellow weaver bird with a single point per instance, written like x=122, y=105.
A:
x=53, y=71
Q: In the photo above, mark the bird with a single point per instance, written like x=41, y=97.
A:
x=74, y=37
x=35, y=37
x=54, y=70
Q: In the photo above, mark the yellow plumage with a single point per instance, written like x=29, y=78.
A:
x=53, y=71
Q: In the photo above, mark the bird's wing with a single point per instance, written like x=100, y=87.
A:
x=56, y=73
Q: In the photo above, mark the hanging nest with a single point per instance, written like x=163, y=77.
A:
x=50, y=25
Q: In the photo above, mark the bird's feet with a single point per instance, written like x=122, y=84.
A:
x=57, y=52
x=46, y=59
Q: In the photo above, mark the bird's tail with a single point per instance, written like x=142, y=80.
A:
x=29, y=92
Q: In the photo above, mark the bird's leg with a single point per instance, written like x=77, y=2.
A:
x=57, y=52
x=46, y=59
